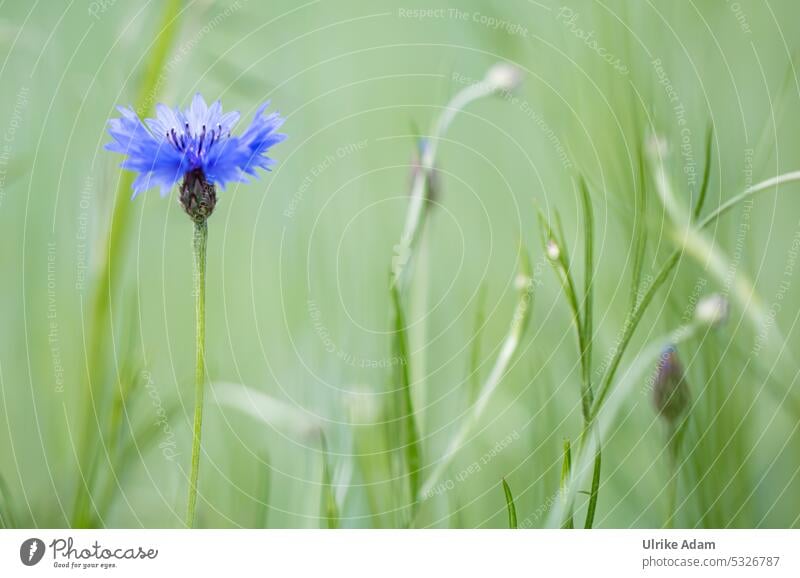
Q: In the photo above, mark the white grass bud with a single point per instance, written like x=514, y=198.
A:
x=552, y=250
x=503, y=77
x=522, y=281
x=712, y=309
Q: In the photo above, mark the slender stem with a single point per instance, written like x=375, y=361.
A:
x=416, y=209
x=674, y=449
x=586, y=352
x=594, y=492
x=563, y=269
x=566, y=470
x=749, y=192
x=640, y=232
x=583, y=322
x=199, y=245
x=672, y=494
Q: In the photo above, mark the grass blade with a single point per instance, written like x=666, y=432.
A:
x=566, y=469
x=555, y=248
x=586, y=354
x=701, y=197
x=409, y=432
x=592, y=506
x=640, y=231
x=512, y=510
x=762, y=186
x=629, y=328
x=272, y=412
x=475, y=350
x=588, y=298
x=329, y=508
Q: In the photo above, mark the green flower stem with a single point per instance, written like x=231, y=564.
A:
x=672, y=492
x=199, y=245
x=416, y=209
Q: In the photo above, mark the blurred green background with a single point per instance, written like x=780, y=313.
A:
x=298, y=302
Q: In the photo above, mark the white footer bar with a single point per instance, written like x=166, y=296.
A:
x=400, y=553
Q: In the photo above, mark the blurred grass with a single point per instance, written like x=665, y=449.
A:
x=99, y=333
x=298, y=298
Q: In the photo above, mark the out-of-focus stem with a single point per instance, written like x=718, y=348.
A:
x=99, y=331
x=416, y=210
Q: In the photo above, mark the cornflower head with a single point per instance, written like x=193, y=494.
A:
x=196, y=148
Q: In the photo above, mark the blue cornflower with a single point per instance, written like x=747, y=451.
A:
x=195, y=146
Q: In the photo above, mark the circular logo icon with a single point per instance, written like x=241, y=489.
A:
x=31, y=551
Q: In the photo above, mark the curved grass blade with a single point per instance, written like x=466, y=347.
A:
x=416, y=209
x=267, y=409
x=512, y=510
x=762, y=186
x=519, y=322
x=701, y=197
